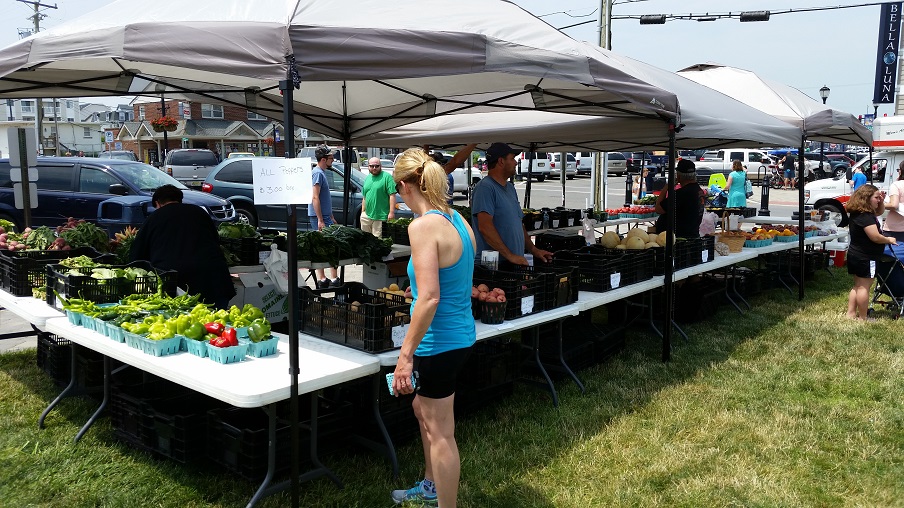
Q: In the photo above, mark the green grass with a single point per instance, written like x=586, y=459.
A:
x=789, y=405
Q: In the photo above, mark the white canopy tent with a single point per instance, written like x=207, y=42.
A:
x=363, y=65
x=818, y=121
x=345, y=68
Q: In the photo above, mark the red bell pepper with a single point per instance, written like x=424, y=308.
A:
x=214, y=328
x=230, y=337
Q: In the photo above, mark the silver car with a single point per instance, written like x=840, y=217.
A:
x=190, y=165
x=555, y=166
x=617, y=163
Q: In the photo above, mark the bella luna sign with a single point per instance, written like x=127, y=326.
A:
x=887, y=57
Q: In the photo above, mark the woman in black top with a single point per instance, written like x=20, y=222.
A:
x=867, y=244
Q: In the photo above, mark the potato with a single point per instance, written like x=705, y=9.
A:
x=491, y=298
x=393, y=287
x=501, y=298
x=483, y=288
x=474, y=292
x=482, y=296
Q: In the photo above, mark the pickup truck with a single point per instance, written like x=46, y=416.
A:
x=756, y=161
x=832, y=194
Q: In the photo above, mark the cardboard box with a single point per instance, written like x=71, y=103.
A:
x=381, y=275
x=258, y=290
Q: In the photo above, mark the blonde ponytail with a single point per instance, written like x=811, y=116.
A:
x=418, y=169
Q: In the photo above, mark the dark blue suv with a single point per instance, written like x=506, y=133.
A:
x=75, y=186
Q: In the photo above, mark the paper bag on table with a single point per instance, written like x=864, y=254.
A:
x=277, y=265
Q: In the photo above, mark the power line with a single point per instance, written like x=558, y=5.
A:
x=726, y=15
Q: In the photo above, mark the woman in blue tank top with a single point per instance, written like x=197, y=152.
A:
x=441, y=332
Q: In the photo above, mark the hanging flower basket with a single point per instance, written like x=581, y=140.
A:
x=269, y=141
x=164, y=123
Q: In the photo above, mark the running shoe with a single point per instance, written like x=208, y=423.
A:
x=414, y=494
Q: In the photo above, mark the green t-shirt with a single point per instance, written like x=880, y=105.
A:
x=377, y=190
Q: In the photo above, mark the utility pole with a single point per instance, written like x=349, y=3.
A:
x=601, y=185
x=37, y=17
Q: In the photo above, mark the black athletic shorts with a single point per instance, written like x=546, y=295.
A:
x=438, y=374
x=860, y=266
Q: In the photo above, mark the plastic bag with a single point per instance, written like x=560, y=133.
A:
x=714, y=190
x=708, y=224
x=748, y=188
x=277, y=265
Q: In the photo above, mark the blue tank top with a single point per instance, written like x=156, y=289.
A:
x=453, y=324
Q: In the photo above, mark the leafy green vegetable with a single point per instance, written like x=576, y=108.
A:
x=39, y=238
x=341, y=242
x=236, y=230
x=78, y=262
x=87, y=234
x=7, y=226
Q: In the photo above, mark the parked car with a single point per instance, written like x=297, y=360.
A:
x=338, y=155
x=633, y=161
x=584, y=162
x=538, y=165
x=123, y=155
x=75, y=186
x=555, y=166
x=463, y=179
x=232, y=181
x=617, y=163
x=190, y=165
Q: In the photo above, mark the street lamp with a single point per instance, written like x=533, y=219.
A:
x=824, y=93
x=161, y=88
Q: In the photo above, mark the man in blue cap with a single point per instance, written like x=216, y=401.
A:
x=496, y=214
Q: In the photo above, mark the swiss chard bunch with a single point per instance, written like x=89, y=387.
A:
x=236, y=230
x=85, y=234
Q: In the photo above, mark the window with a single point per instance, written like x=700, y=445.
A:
x=211, y=111
x=95, y=181
x=237, y=172
x=756, y=157
x=70, y=119
x=141, y=112
x=28, y=107
x=55, y=178
x=736, y=156
x=254, y=116
x=86, y=132
x=69, y=104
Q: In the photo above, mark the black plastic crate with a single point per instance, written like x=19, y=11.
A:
x=245, y=249
x=54, y=357
x=20, y=271
x=560, y=239
x=354, y=316
x=638, y=266
x=491, y=362
x=523, y=291
x=532, y=221
x=688, y=252
x=106, y=291
x=596, y=266
x=560, y=285
x=238, y=438
x=179, y=426
x=398, y=233
x=558, y=218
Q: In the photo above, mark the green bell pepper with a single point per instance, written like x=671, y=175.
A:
x=259, y=330
x=195, y=331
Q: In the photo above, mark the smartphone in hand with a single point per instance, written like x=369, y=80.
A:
x=414, y=383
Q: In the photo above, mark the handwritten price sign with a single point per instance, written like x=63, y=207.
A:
x=281, y=181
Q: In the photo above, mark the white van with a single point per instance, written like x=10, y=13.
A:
x=832, y=194
x=539, y=165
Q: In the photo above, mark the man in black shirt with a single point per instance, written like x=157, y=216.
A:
x=183, y=237
x=688, y=208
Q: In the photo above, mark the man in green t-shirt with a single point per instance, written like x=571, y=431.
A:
x=378, y=202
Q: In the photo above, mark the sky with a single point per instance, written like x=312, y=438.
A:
x=806, y=50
